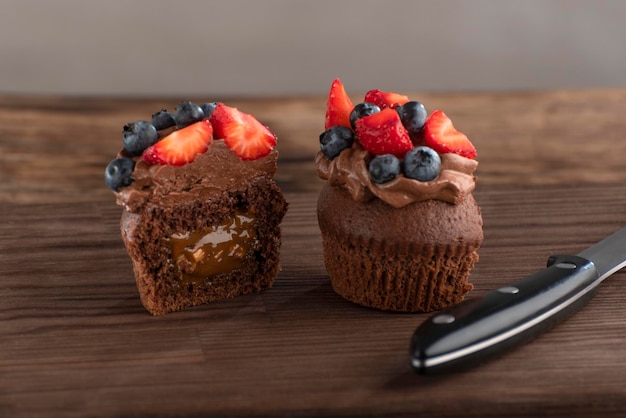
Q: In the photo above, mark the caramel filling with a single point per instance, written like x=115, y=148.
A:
x=214, y=250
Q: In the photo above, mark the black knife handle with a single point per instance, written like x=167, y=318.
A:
x=475, y=330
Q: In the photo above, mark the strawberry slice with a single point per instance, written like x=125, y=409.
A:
x=181, y=146
x=384, y=99
x=383, y=133
x=440, y=135
x=338, y=107
x=248, y=138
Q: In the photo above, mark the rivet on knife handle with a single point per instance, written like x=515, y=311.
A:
x=475, y=330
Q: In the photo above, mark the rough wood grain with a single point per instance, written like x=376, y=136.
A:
x=75, y=340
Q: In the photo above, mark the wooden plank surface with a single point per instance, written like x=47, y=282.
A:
x=75, y=340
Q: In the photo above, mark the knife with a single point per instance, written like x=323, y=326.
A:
x=476, y=330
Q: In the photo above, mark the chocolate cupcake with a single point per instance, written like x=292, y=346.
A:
x=399, y=224
x=201, y=212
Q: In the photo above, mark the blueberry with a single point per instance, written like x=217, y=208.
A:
x=138, y=136
x=384, y=168
x=335, y=140
x=362, y=110
x=163, y=120
x=422, y=163
x=119, y=173
x=208, y=108
x=187, y=113
x=413, y=116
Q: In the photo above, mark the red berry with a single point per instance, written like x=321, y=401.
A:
x=181, y=146
x=383, y=133
x=338, y=107
x=385, y=99
x=248, y=138
x=440, y=135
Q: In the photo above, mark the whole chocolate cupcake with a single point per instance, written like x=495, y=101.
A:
x=399, y=224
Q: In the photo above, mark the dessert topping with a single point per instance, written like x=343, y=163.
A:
x=338, y=107
x=421, y=163
x=385, y=99
x=163, y=119
x=413, y=116
x=361, y=110
x=440, y=135
x=208, y=108
x=399, y=153
x=384, y=168
x=205, y=177
x=349, y=170
x=383, y=133
x=187, y=113
x=335, y=140
x=177, y=138
x=118, y=173
x=181, y=146
x=138, y=136
x=248, y=138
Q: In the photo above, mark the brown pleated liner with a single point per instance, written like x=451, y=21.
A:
x=418, y=278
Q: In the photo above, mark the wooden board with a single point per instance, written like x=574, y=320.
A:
x=75, y=336
x=75, y=340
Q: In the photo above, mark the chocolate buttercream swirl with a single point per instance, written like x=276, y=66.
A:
x=211, y=173
x=349, y=170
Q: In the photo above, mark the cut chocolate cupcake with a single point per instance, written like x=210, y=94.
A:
x=201, y=223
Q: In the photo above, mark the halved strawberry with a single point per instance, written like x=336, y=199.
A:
x=181, y=146
x=338, y=107
x=440, y=135
x=248, y=138
x=383, y=133
x=384, y=99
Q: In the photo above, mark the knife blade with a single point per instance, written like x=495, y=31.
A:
x=476, y=330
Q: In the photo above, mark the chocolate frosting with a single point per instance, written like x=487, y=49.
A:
x=349, y=170
x=210, y=173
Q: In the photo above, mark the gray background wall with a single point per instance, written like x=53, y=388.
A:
x=248, y=47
